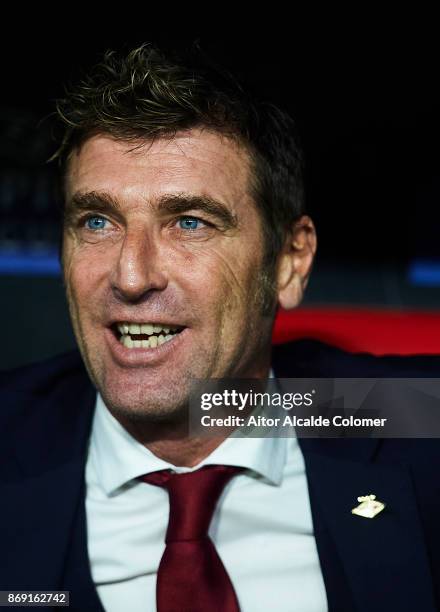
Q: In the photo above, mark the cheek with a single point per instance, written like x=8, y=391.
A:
x=224, y=283
x=79, y=281
x=83, y=276
x=238, y=273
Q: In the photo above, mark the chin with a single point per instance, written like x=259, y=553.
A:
x=137, y=402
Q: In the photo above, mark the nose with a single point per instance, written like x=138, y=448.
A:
x=139, y=269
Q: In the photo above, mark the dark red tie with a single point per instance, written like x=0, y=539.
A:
x=191, y=575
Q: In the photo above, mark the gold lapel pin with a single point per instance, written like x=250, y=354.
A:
x=368, y=507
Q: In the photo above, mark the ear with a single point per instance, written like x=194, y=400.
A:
x=295, y=263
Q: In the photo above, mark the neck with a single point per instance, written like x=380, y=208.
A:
x=188, y=453
x=171, y=442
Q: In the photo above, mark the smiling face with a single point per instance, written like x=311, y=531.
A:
x=162, y=261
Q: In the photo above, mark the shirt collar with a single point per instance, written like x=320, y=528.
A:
x=120, y=458
x=117, y=456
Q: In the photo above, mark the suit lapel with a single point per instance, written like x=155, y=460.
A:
x=42, y=485
x=77, y=577
x=36, y=523
x=384, y=558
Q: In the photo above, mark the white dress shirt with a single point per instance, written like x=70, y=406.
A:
x=262, y=526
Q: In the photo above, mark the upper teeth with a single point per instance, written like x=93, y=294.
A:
x=129, y=331
x=144, y=328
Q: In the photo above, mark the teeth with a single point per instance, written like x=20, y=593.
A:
x=129, y=331
x=144, y=328
x=153, y=342
x=128, y=342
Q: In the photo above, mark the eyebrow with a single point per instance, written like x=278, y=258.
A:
x=167, y=204
x=181, y=203
x=98, y=201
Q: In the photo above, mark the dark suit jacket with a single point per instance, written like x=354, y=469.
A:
x=389, y=563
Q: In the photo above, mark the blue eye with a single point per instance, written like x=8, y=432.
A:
x=190, y=223
x=96, y=223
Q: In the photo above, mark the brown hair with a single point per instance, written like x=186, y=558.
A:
x=147, y=94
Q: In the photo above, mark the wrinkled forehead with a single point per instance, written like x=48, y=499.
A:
x=197, y=162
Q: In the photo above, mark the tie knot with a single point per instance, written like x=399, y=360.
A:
x=193, y=497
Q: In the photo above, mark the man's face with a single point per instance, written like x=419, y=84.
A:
x=162, y=262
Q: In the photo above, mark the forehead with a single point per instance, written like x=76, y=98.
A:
x=198, y=162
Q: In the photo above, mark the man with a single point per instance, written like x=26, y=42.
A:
x=184, y=230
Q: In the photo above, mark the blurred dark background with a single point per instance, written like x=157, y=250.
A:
x=366, y=99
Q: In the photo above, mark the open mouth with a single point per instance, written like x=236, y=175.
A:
x=144, y=335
